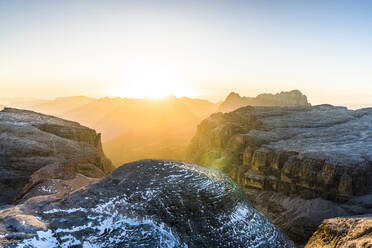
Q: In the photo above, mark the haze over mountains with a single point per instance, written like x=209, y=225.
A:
x=21, y=102
x=135, y=129
x=298, y=165
x=285, y=98
x=59, y=191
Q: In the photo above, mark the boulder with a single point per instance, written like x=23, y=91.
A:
x=148, y=203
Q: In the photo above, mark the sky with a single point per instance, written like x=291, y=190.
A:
x=195, y=48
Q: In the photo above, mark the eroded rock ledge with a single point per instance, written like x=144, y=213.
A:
x=320, y=154
x=45, y=155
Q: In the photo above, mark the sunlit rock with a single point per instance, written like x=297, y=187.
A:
x=343, y=232
x=285, y=98
x=39, y=153
x=321, y=155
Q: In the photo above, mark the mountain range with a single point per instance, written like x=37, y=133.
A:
x=135, y=129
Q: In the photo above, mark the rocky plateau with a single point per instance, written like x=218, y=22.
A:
x=298, y=165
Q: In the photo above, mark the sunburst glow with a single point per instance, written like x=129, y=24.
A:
x=154, y=78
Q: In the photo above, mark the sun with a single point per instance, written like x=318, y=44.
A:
x=155, y=87
x=154, y=79
x=152, y=87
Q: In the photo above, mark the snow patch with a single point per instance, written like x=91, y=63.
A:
x=105, y=219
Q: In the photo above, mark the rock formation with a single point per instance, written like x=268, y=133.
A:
x=148, y=203
x=44, y=155
x=56, y=174
x=298, y=165
x=285, y=98
x=343, y=232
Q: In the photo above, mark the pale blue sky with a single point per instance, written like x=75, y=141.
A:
x=197, y=48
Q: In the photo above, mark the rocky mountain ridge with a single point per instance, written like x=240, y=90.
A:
x=285, y=98
x=299, y=165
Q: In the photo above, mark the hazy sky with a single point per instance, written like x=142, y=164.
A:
x=195, y=48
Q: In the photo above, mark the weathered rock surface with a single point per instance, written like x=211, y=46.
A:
x=343, y=232
x=305, y=163
x=148, y=203
x=44, y=155
x=285, y=98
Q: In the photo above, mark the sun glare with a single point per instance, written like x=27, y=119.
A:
x=153, y=88
x=150, y=78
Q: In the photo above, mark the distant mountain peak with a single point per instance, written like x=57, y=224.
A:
x=232, y=95
x=284, y=98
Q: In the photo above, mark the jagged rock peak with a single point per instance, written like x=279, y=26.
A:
x=232, y=95
x=285, y=98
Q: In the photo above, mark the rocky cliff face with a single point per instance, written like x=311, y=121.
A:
x=299, y=165
x=285, y=98
x=148, y=203
x=44, y=155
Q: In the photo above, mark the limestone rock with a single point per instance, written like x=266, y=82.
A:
x=355, y=231
x=321, y=152
x=297, y=217
x=35, y=143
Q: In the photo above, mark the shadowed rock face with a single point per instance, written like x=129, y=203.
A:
x=39, y=153
x=299, y=165
x=285, y=98
x=151, y=203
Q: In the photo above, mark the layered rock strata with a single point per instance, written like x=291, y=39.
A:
x=291, y=156
x=343, y=232
x=44, y=155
